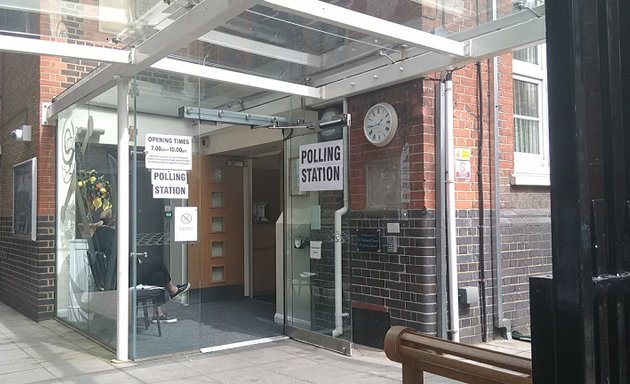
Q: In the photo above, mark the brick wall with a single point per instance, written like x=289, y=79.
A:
x=27, y=268
x=407, y=99
x=524, y=222
x=404, y=281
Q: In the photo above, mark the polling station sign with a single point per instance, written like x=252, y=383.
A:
x=166, y=177
x=168, y=152
x=167, y=184
x=321, y=166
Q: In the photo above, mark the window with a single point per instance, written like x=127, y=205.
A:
x=25, y=199
x=531, y=149
x=14, y=21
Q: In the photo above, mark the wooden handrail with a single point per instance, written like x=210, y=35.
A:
x=420, y=353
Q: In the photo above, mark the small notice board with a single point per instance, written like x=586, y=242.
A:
x=368, y=240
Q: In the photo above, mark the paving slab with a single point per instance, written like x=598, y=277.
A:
x=50, y=352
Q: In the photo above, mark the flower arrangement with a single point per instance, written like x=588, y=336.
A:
x=95, y=190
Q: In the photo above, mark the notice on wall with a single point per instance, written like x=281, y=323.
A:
x=169, y=184
x=185, y=219
x=315, y=249
x=393, y=227
x=168, y=152
x=321, y=166
x=462, y=164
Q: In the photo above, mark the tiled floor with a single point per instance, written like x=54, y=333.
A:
x=49, y=352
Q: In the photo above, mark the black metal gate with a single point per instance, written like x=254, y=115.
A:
x=581, y=316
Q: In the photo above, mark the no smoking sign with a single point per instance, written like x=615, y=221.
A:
x=185, y=223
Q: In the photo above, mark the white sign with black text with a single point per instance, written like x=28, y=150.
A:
x=168, y=152
x=321, y=166
x=169, y=184
x=185, y=223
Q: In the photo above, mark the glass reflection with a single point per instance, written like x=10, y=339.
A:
x=86, y=185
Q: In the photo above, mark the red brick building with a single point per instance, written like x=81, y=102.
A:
x=407, y=283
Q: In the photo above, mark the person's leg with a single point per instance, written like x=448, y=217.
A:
x=156, y=273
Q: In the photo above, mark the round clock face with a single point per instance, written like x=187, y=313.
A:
x=380, y=123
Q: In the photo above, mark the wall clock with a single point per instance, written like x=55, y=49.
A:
x=380, y=124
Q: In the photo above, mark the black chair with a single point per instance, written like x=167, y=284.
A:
x=150, y=298
x=103, y=269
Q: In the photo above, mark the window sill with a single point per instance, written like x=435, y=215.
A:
x=538, y=179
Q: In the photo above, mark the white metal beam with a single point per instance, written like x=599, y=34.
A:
x=204, y=17
x=233, y=77
x=480, y=30
x=54, y=48
x=357, y=21
x=484, y=46
x=261, y=49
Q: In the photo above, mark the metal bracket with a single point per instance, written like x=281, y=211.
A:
x=44, y=114
x=468, y=48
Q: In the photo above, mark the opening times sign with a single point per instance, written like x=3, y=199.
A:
x=168, y=157
x=168, y=152
x=321, y=166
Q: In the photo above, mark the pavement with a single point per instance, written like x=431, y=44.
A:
x=50, y=352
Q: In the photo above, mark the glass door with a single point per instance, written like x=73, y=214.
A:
x=317, y=289
x=164, y=220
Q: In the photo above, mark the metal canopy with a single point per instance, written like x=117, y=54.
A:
x=319, y=50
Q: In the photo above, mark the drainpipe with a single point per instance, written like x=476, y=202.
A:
x=451, y=228
x=440, y=217
x=338, y=331
x=497, y=259
x=122, y=224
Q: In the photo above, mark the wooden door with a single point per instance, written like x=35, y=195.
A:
x=217, y=259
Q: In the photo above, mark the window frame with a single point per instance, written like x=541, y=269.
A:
x=533, y=169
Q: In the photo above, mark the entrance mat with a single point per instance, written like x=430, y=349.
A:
x=208, y=324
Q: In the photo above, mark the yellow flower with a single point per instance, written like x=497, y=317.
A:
x=80, y=184
x=97, y=202
x=93, y=178
x=103, y=190
x=107, y=205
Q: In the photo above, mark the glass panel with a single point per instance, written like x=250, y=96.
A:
x=106, y=22
x=217, y=248
x=311, y=237
x=218, y=274
x=526, y=136
x=526, y=98
x=217, y=175
x=216, y=310
x=167, y=224
x=217, y=224
x=528, y=55
x=217, y=200
x=446, y=16
x=526, y=117
x=86, y=247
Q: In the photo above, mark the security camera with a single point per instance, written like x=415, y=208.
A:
x=22, y=133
